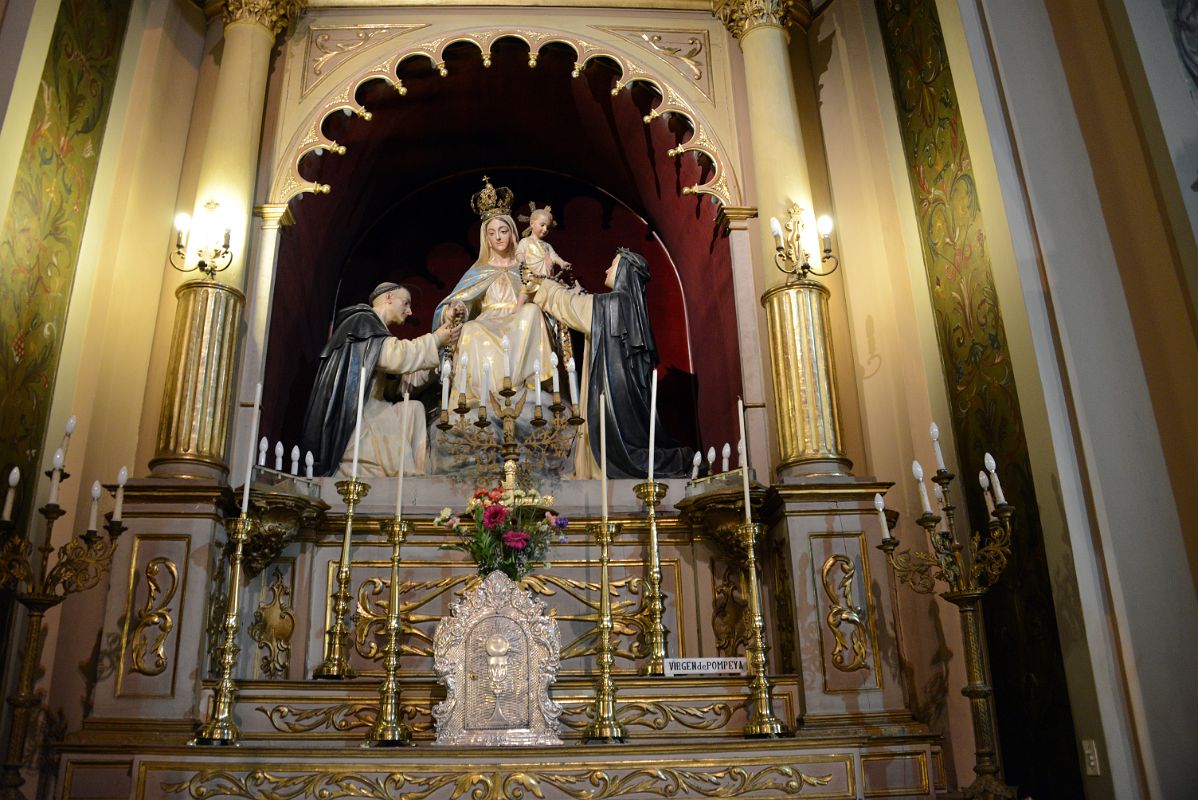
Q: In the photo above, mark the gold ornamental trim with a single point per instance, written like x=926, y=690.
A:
x=155, y=619
x=741, y=17
x=274, y=15
x=842, y=613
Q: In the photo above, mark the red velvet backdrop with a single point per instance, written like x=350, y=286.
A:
x=399, y=211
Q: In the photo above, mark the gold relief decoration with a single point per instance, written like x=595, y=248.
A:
x=629, y=615
x=155, y=617
x=685, y=50
x=842, y=613
x=278, y=518
x=328, y=46
x=742, y=16
x=372, y=609
x=722, y=185
x=273, y=627
x=657, y=716
x=274, y=15
x=342, y=717
x=500, y=784
x=728, y=609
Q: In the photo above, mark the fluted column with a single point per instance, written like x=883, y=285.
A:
x=805, y=395
x=197, y=399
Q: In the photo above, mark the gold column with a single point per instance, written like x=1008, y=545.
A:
x=805, y=398
x=194, y=425
x=193, y=430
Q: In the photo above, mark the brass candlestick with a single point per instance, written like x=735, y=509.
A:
x=80, y=564
x=968, y=574
x=388, y=730
x=220, y=727
x=762, y=723
x=651, y=493
x=604, y=728
x=336, y=643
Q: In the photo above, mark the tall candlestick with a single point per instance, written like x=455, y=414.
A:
x=573, y=382
x=94, y=515
x=446, y=379
x=66, y=437
x=14, y=478
x=880, y=506
x=994, y=482
x=295, y=453
x=652, y=422
x=726, y=454
x=536, y=368
x=263, y=446
x=278, y=456
x=917, y=471
x=985, y=483
x=485, y=389
x=602, y=453
x=744, y=457
x=249, y=467
x=556, y=379
x=358, y=422
x=935, y=432
x=403, y=456
x=121, y=478
x=462, y=362
x=56, y=476
x=507, y=357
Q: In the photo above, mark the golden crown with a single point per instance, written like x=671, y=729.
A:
x=491, y=202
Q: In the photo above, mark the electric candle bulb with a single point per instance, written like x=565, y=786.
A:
x=938, y=493
x=881, y=506
x=999, y=499
x=726, y=453
x=507, y=356
x=695, y=462
x=570, y=374
x=446, y=379
x=824, y=226
x=10, y=496
x=122, y=478
x=263, y=446
x=485, y=389
x=710, y=460
x=278, y=456
x=309, y=463
x=536, y=369
x=55, y=476
x=917, y=471
x=985, y=484
x=95, y=509
x=66, y=437
x=295, y=455
x=462, y=374
x=776, y=230
x=556, y=380
x=935, y=433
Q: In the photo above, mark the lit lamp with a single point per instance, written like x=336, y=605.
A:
x=211, y=257
x=789, y=253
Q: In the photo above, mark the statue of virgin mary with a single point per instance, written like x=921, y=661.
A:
x=496, y=306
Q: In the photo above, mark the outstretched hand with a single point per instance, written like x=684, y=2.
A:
x=448, y=334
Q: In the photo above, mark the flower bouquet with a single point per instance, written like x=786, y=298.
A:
x=505, y=529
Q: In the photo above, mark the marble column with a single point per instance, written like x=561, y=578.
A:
x=197, y=402
x=805, y=401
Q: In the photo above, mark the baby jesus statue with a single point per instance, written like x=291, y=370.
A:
x=537, y=255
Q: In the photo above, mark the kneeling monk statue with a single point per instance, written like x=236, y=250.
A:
x=361, y=338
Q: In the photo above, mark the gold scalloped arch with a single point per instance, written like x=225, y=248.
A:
x=723, y=186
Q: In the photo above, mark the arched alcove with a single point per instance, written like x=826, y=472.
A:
x=399, y=210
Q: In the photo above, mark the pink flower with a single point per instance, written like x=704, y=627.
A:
x=496, y=494
x=517, y=540
x=494, y=516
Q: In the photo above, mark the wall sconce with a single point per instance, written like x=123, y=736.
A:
x=789, y=255
x=209, y=259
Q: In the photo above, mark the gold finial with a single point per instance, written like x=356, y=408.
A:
x=491, y=202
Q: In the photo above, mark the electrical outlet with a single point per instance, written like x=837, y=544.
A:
x=1090, y=755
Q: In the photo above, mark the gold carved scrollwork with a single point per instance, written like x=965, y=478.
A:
x=156, y=616
x=342, y=717
x=274, y=15
x=842, y=613
x=272, y=628
x=728, y=609
x=742, y=16
x=657, y=716
x=578, y=784
x=629, y=614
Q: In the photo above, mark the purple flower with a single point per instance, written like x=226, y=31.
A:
x=561, y=522
x=517, y=540
x=494, y=516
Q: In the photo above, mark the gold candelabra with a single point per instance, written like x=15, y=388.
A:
x=388, y=730
x=38, y=587
x=762, y=723
x=968, y=572
x=335, y=665
x=220, y=727
x=604, y=728
x=651, y=493
x=478, y=440
x=789, y=253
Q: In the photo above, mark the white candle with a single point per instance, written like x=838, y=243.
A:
x=990, y=468
x=776, y=230
x=295, y=453
x=917, y=471
x=573, y=382
x=939, y=495
x=726, y=454
x=711, y=461
x=485, y=389
x=536, y=368
x=507, y=357
x=263, y=446
x=278, y=456
x=309, y=464
x=556, y=380
x=880, y=506
x=403, y=455
x=56, y=476
x=358, y=423
x=122, y=478
x=66, y=437
x=446, y=379
x=249, y=467
x=603, y=453
x=652, y=423
x=462, y=374
x=935, y=432
x=744, y=457
x=695, y=462
x=95, y=509
x=985, y=483
x=14, y=478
